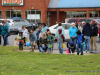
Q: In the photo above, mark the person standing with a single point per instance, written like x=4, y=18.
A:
x=73, y=34
x=4, y=32
x=59, y=27
x=38, y=33
x=87, y=32
x=25, y=34
x=44, y=27
x=94, y=37
x=81, y=27
x=32, y=39
x=76, y=25
x=7, y=24
x=0, y=34
x=61, y=40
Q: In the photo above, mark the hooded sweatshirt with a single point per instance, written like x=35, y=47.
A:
x=95, y=30
x=87, y=30
x=61, y=37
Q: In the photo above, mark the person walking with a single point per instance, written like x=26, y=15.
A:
x=81, y=27
x=7, y=24
x=87, y=32
x=4, y=32
x=94, y=37
x=44, y=27
x=73, y=34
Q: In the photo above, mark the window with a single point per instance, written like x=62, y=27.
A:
x=72, y=20
x=94, y=14
x=22, y=21
x=56, y=27
x=81, y=20
x=68, y=26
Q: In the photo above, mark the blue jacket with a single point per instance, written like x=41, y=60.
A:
x=79, y=39
x=4, y=30
x=44, y=29
x=87, y=30
x=37, y=33
x=0, y=30
x=72, y=32
x=57, y=34
x=32, y=37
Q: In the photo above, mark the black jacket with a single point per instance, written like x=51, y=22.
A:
x=95, y=30
x=87, y=30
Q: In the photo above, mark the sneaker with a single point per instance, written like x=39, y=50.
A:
x=95, y=52
x=77, y=53
x=91, y=51
x=81, y=54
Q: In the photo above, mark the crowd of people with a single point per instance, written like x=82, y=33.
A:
x=81, y=37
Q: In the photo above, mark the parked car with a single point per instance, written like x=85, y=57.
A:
x=10, y=21
x=35, y=26
x=18, y=25
x=80, y=20
x=66, y=26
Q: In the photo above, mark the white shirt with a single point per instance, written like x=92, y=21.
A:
x=25, y=33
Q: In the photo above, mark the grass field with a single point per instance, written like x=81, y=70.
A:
x=13, y=62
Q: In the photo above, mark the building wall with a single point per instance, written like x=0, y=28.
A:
x=53, y=17
x=28, y=4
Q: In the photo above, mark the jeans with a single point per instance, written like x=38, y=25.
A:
x=87, y=42
x=7, y=43
x=60, y=47
x=73, y=50
x=42, y=48
x=99, y=40
x=74, y=40
x=0, y=40
x=5, y=38
x=81, y=47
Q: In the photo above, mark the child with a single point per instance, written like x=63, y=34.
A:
x=32, y=39
x=61, y=40
x=80, y=39
x=50, y=41
x=20, y=41
x=37, y=33
x=71, y=46
x=16, y=42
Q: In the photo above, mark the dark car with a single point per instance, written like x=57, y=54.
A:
x=18, y=25
x=35, y=26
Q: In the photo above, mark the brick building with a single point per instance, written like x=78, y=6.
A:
x=49, y=11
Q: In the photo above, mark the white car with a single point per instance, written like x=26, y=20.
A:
x=66, y=26
x=10, y=21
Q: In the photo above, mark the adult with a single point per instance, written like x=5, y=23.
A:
x=81, y=27
x=7, y=24
x=76, y=24
x=25, y=34
x=59, y=27
x=43, y=42
x=44, y=27
x=94, y=37
x=4, y=32
x=73, y=34
x=87, y=32
x=0, y=34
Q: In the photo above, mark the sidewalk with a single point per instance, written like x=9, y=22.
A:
x=57, y=52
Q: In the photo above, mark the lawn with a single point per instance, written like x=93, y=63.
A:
x=13, y=62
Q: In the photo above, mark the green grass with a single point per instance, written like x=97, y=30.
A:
x=28, y=63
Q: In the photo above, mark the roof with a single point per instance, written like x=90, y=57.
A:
x=74, y=3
